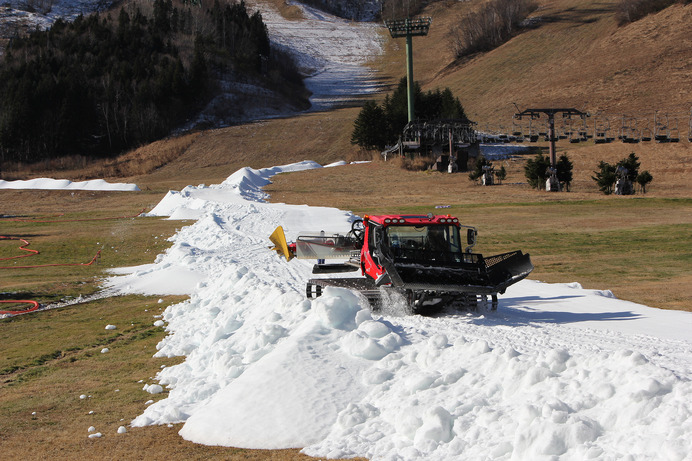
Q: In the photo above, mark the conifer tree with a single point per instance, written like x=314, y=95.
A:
x=536, y=169
x=564, y=171
x=605, y=177
x=369, y=127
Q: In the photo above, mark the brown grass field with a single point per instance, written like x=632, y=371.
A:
x=639, y=246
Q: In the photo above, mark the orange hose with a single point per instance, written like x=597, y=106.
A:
x=21, y=247
x=35, y=252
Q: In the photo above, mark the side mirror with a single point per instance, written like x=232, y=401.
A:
x=471, y=237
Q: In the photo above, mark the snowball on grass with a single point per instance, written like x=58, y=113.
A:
x=110, y=327
x=122, y=430
x=82, y=397
x=104, y=350
x=95, y=436
x=159, y=323
x=91, y=429
x=153, y=388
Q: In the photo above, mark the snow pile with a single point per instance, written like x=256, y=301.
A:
x=558, y=372
x=65, y=184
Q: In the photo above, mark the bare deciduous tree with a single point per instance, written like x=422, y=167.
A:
x=489, y=27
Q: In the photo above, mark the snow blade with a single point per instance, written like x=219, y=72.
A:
x=278, y=238
x=508, y=268
x=474, y=275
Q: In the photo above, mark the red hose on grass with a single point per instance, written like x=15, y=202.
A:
x=35, y=252
x=30, y=252
x=34, y=306
x=21, y=247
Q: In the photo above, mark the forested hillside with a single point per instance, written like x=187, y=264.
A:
x=105, y=83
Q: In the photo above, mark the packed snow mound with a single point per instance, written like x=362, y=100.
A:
x=557, y=372
x=65, y=184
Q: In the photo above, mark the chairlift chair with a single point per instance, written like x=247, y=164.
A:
x=646, y=133
x=601, y=132
x=608, y=139
x=533, y=135
x=673, y=133
x=516, y=128
x=570, y=133
x=660, y=130
x=629, y=133
x=584, y=131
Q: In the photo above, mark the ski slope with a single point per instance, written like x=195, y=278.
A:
x=331, y=52
x=557, y=372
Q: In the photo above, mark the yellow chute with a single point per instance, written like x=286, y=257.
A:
x=278, y=238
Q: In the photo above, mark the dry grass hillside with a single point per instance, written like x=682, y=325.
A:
x=576, y=56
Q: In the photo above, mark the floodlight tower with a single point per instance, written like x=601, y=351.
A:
x=409, y=27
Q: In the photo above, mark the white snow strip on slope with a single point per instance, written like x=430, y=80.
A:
x=558, y=372
x=65, y=184
x=331, y=51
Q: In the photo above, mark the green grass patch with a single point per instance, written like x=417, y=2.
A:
x=121, y=242
x=74, y=333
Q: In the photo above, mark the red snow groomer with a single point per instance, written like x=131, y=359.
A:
x=421, y=258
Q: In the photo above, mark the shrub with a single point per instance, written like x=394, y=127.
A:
x=489, y=27
x=643, y=179
x=477, y=172
x=417, y=163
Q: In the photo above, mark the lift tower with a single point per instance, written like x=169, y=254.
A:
x=409, y=27
x=554, y=184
